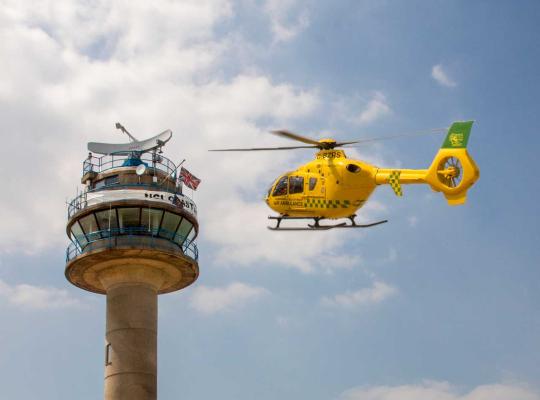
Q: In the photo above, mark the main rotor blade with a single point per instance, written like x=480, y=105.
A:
x=436, y=131
x=339, y=144
x=294, y=136
x=269, y=148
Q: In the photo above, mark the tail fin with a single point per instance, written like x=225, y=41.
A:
x=453, y=171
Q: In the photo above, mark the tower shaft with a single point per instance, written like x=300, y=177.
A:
x=131, y=337
x=131, y=331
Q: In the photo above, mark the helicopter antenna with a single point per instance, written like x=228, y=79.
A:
x=121, y=127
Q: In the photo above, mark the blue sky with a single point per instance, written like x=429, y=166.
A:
x=441, y=303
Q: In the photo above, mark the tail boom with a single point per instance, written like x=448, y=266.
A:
x=406, y=176
x=452, y=172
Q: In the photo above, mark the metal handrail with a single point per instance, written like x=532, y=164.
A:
x=110, y=161
x=79, y=202
x=111, y=236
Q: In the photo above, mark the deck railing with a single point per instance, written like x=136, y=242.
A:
x=110, y=161
x=132, y=236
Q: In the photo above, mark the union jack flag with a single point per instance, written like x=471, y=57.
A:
x=190, y=180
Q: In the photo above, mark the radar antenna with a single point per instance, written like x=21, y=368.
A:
x=135, y=146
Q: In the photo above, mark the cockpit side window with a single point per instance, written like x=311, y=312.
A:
x=296, y=184
x=281, y=187
x=312, y=183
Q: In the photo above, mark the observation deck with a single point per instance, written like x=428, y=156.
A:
x=132, y=206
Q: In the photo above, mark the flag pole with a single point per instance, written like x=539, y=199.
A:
x=173, y=171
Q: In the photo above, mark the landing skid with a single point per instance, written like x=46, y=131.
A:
x=316, y=226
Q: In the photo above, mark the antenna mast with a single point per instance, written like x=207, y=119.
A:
x=121, y=127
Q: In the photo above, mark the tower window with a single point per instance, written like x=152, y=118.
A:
x=169, y=225
x=111, y=180
x=108, y=354
x=107, y=219
x=128, y=217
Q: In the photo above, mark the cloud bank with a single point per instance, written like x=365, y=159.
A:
x=378, y=293
x=376, y=108
x=36, y=297
x=441, y=391
x=211, y=300
x=287, y=18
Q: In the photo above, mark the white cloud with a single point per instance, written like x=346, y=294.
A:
x=240, y=228
x=35, y=297
x=125, y=30
x=376, y=108
x=287, y=18
x=379, y=292
x=210, y=300
x=71, y=87
x=430, y=390
x=438, y=73
x=62, y=93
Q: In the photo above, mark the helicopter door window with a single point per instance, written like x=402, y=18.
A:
x=312, y=183
x=281, y=187
x=296, y=184
x=353, y=168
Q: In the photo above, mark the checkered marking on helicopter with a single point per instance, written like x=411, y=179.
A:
x=393, y=180
x=322, y=203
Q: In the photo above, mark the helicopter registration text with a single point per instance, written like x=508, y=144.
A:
x=330, y=154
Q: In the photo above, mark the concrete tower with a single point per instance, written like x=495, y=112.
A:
x=132, y=232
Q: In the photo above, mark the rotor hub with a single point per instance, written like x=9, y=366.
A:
x=327, y=143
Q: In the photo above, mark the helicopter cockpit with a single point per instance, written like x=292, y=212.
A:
x=291, y=184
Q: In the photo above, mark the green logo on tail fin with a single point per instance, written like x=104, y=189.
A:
x=458, y=135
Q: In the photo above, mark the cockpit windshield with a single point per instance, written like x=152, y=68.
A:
x=288, y=184
x=281, y=187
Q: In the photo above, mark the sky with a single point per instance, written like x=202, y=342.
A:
x=441, y=303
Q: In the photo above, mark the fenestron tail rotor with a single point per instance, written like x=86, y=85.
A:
x=450, y=171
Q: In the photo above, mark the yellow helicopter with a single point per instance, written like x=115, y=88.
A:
x=333, y=186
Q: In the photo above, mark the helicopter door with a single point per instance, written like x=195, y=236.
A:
x=296, y=192
x=315, y=191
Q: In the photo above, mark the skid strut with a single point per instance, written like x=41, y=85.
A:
x=316, y=226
